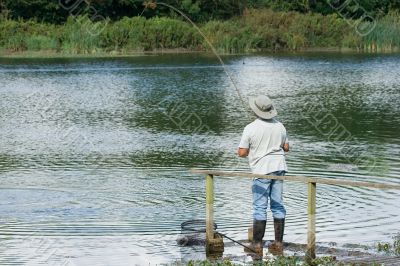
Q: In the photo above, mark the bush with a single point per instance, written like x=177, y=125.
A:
x=255, y=30
x=139, y=33
x=265, y=29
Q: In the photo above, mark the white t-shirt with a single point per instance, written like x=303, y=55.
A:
x=264, y=139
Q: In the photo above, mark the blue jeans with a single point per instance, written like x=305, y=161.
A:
x=264, y=189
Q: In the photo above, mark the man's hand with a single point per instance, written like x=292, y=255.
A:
x=242, y=152
x=285, y=147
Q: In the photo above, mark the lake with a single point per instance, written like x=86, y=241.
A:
x=95, y=153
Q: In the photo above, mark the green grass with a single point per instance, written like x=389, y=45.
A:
x=255, y=30
x=278, y=261
x=40, y=42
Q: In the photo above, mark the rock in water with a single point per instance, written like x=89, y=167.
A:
x=190, y=240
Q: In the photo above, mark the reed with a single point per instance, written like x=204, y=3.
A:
x=76, y=36
x=386, y=35
x=265, y=29
x=255, y=30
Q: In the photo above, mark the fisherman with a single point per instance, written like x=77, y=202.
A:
x=264, y=142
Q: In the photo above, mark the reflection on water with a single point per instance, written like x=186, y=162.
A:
x=94, y=153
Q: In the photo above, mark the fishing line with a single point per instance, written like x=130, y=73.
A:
x=214, y=51
x=186, y=225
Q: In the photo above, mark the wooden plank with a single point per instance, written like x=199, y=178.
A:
x=303, y=179
x=249, y=175
x=209, y=207
x=312, y=205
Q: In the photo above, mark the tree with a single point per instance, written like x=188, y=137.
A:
x=57, y=11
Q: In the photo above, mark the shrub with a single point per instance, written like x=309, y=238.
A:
x=256, y=29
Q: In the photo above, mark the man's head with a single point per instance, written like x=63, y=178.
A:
x=263, y=107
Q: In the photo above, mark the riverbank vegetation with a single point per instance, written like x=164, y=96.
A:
x=247, y=30
x=277, y=261
x=388, y=249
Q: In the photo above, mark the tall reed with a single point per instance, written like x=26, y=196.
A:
x=386, y=35
x=255, y=30
x=265, y=29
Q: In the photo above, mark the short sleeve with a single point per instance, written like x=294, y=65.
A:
x=245, y=140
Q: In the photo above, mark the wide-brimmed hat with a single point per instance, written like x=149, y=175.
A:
x=263, y=107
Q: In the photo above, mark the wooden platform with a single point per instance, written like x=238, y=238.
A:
x=211, y=240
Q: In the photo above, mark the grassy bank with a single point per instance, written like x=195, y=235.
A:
x=255, y=30
x=277, y=261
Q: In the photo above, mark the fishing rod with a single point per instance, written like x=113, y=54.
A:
x=198, y=226
x=237, y=242
x=153, y=5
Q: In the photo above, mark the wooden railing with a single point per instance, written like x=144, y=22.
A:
x=212, y=242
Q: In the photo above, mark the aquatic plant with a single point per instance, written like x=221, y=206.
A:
x=396, y=245
x=390, y=248
x=386, y=247
x=385, y=36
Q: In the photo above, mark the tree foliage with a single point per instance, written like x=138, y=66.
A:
x=57, y=11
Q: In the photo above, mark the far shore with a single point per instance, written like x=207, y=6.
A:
x=113, y=54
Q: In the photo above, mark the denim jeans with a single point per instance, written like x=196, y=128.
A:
x=264, y=189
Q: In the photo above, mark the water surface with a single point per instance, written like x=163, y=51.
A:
x=95, y=153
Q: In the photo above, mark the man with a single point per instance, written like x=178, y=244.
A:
x=265, y=142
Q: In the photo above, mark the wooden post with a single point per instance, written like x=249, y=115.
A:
x=214, y=242
x=209, y=207
x=312, y=194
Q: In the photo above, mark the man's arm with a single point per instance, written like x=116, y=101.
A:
x=243, y=152
x=244, y=145
x=285, y=147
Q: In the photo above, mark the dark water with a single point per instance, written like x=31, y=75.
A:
x=94, y=153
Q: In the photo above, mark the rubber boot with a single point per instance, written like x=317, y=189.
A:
x=258, y=235
x=276, y=248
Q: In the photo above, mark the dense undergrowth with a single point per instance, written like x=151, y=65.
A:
x=255, y=30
